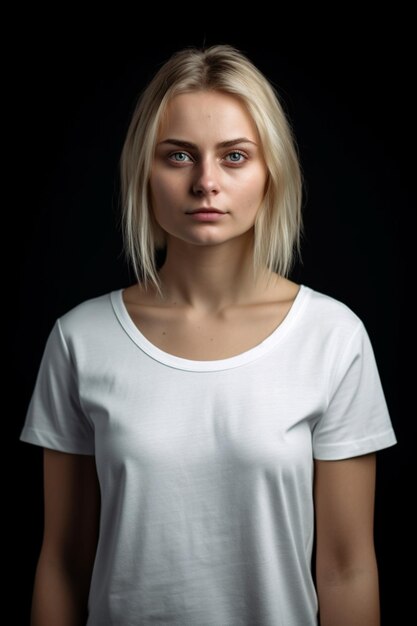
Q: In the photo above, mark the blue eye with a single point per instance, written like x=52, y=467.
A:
x=236, y=156
x=179, y=157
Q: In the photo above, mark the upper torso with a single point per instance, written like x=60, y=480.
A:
x=206, y=464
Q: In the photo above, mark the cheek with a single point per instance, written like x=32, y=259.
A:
x=155, y=186
x=160, y=195
x=254, y=191
x=165, y=186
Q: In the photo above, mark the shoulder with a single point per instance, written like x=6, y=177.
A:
x=328, y=316
x=329, y=329
x=323, y=304
x=89, y=317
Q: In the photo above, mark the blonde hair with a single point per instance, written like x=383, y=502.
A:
x=221, y=68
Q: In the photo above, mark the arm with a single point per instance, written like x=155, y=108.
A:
x=346, y=569
x=72, y=509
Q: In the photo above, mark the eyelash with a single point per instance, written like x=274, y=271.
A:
x=242, y=154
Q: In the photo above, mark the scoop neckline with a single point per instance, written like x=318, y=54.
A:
x=178, y=362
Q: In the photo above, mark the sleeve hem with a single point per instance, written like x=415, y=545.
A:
x=345, y=450
x=55, y=442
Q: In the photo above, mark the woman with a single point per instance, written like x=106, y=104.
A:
x=204, y=425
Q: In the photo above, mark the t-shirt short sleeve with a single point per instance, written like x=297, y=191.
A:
x=356, y=420
x=55, y=418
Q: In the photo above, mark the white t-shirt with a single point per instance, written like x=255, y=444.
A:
x=206, y=467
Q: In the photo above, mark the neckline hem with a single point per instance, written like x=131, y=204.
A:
x=178, y=362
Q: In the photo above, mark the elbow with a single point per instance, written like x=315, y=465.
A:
x=341, y=567
x=341, y=574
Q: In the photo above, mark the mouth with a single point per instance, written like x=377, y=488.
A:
x=205, y=210
x=206, y=215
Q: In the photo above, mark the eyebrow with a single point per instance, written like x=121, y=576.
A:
x=222, y=144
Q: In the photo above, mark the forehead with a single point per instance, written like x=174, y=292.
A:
x=213, y=114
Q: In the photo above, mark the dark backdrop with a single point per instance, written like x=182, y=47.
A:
x=348, y=96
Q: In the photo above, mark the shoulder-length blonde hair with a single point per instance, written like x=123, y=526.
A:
x=222, y=68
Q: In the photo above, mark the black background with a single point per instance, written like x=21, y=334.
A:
x=346, y=87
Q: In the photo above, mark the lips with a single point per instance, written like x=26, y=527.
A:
x=209, y=215
x=205, y=210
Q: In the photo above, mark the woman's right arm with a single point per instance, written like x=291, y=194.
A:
x=72, y=512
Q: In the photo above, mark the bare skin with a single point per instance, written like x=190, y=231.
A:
x=346, y=567
x=181, y=330
x=208, y=154
x=72, y=510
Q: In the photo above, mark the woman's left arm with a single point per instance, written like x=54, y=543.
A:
x=346, y=567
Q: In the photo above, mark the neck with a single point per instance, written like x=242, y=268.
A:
x=211, y=278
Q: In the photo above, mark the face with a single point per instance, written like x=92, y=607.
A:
x=208, y=176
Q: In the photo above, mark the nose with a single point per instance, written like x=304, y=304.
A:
x=206, y=180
